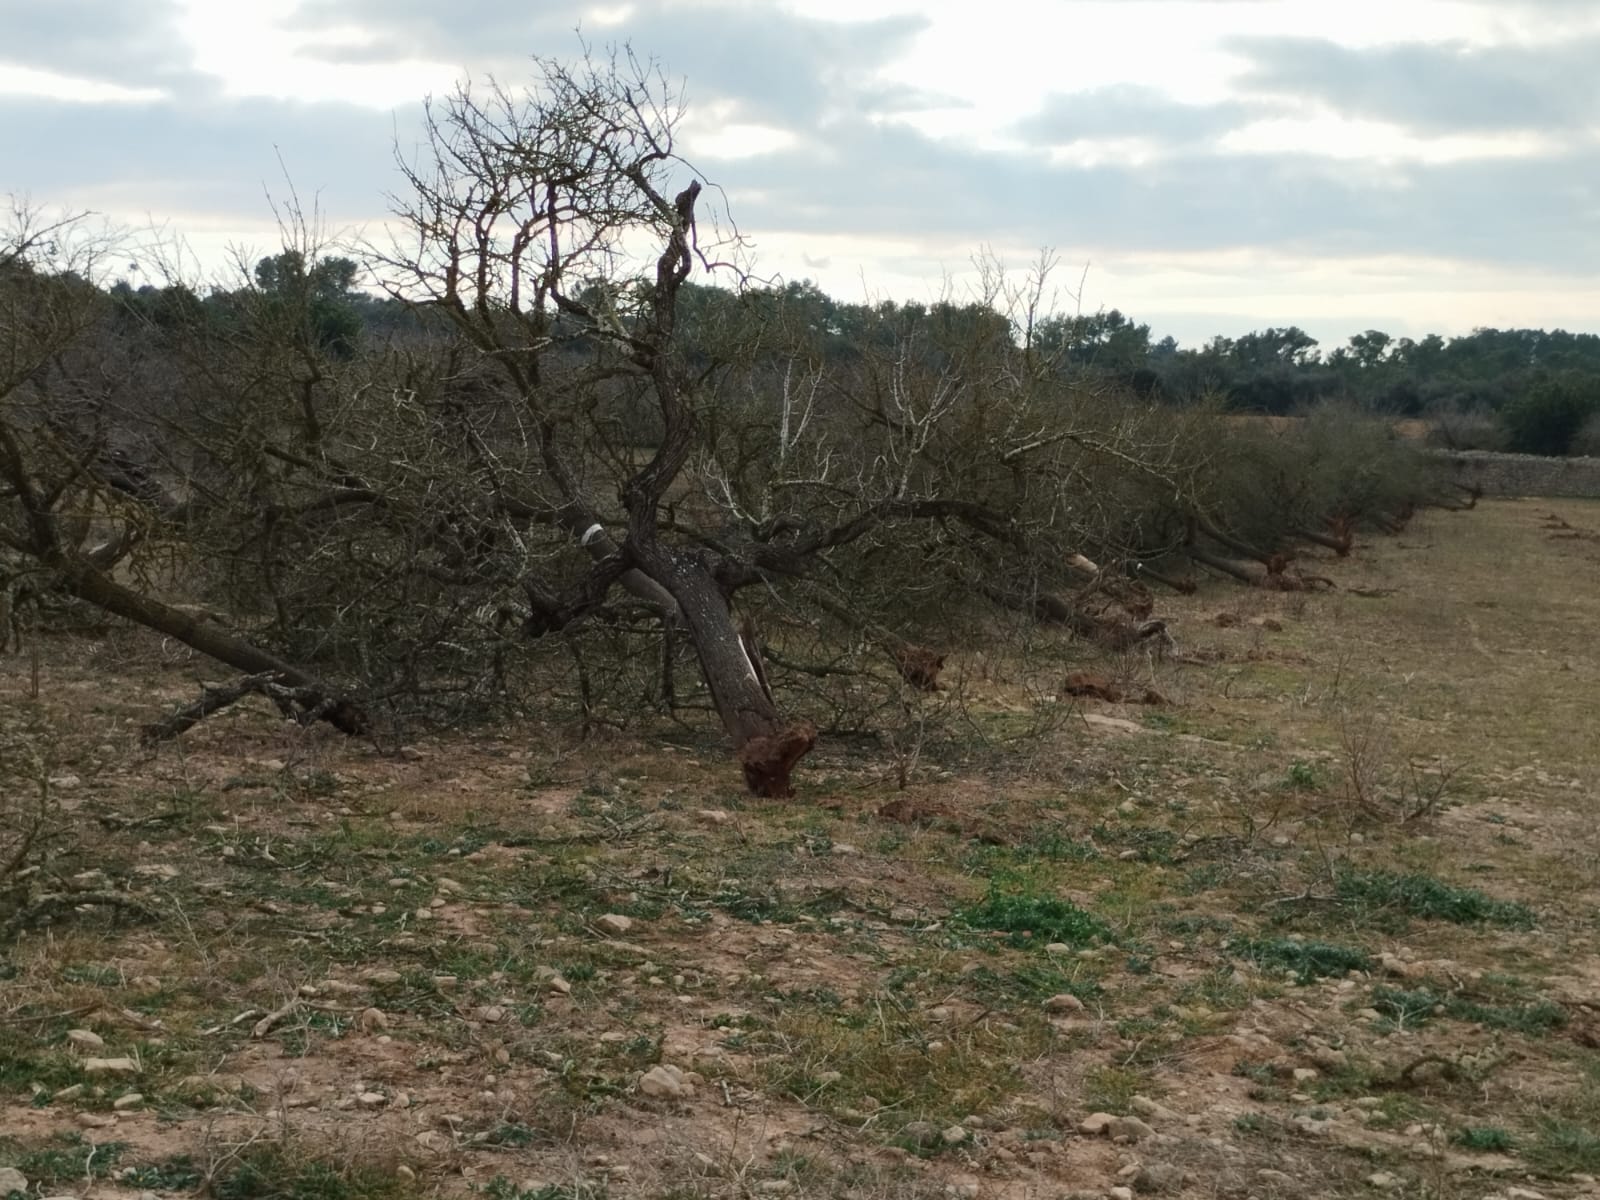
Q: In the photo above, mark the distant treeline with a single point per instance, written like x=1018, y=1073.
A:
x=1527, y=390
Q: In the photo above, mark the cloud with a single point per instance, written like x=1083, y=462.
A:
x=217, y=158
x=884, y=180
x=1435, y=87
x=778, y=67
x=866, y=178
x=471, y=26
x=850, y=171
x=475, y=31
x=110, y=40
x=1130, y=111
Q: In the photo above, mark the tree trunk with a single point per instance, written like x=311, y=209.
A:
x=1340, y=546
x=86, y=583
x=1232, y=543
x=768, y=746
x=1216, y=563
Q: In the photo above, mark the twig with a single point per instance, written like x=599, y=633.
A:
x=42, y=907
x=1306, y=897
x=304, y=704
x=45, y=1017
x=265, y=1025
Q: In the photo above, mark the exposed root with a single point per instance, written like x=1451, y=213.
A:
x=768, y=761
x=919, y=666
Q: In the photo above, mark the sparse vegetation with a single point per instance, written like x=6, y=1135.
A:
x=1410, y=1007
x=1305, y=777
x=1029, y=918
x=1305, y=960
x=66, y=1158
x=1389, y=895
x=273, y=1171
x=994, y=954
x=1484, y=1139
x=1565, y=1147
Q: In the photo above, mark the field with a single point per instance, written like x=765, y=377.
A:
x=1325, y=924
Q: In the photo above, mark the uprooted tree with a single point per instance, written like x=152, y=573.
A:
x=518, y=217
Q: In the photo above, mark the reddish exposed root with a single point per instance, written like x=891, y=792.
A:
x=768, y=761
x=919, y=666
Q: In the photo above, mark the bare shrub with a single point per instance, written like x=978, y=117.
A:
x=35, y=828
x=1586, y=441
x=1474, y=428
x=1380, y=785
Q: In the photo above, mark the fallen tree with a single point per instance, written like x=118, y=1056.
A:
x=556, y=470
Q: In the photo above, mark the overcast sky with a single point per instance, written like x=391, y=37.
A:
x=1217, y=165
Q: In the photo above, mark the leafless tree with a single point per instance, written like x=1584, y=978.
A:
x=522, y=214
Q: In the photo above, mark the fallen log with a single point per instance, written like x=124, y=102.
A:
x=1088, y=684
x=1111, y=631
x=1281, y=581
x=1276, y=577
x=303, y=704
x=318, y=700
x=1217, y=563
x=1228, y=541
x=1340, y=546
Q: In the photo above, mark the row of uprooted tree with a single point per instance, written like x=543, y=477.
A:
x=547, y=489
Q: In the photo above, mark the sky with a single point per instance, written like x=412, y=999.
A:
x=1205, y=166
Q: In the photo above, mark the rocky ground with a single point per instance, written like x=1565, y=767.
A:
x=1322, y=925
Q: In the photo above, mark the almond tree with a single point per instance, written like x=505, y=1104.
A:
x=523, y=212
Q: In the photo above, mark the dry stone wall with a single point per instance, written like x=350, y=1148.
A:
x=1523, y=474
